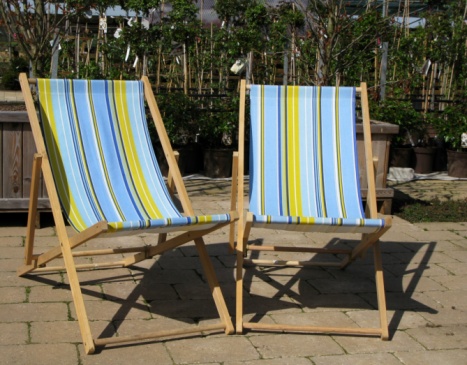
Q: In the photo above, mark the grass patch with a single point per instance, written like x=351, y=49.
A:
x=416, y=211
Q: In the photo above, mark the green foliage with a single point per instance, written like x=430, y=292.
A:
x=218, y=122
x=180, y=115
x=431, y=211
x=452, y=122
x=402, y=113
x=10, y=77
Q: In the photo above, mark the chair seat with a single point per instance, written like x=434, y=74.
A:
x=319, y=224
x=170, y=224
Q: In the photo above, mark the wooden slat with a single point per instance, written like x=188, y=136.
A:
x=1, y=158
x=159, y=334
x=14, y=117
x=29, y=149
x=12, y=161
x=313, y=329
x=21, y=204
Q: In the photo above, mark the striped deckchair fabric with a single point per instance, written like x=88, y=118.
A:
x=304, y=176
x=103, y=164
x=98, y=166
x=304, y=167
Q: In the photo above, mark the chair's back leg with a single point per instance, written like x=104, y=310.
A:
x=233, y=199
x=214, y=286
x=32, y=211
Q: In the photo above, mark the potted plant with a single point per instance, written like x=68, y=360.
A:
x=218, y=134
x=411, y=128
x=180, y=115
x=451, y=125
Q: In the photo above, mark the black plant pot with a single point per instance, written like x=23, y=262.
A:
x=401, y=157
x=457, y=163
x=218, y=162
x=424, y=157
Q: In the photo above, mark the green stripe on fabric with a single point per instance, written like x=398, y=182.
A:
x=338, y=153
x=319, y=151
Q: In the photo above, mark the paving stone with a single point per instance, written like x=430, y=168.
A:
x=209, y=349
x=446, y=316
x=37, y=354
x=15, y=241
x=9, y=265
x=109, y=310
x=329, y=319
x=401, y=301
x=294, y=288
x=138, y=326
x=399, y=341
x=425, y=269
x=425, y=257
x=449, y=357
x=440, y=338
x=397, y=320
x=450, y=299
x=50, y=293
x=459, y=255
x=279, y=361
x=300, y=345
x=455, y=268
x=412, y=283
x=29, y=312
x=434, y=235
x=452, y=282
x=334, y=301
x=12, y=295
x=143, y=354
x=199, y=308
x=55, y=332
x=358, y=359
x=13, y=334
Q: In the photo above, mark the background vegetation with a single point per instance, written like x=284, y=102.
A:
x=412, y=54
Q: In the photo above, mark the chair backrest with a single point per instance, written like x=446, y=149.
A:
x=303, y=154
x=100, y=151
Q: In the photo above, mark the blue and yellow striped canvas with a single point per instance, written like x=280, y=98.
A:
x=303, y=160
x=102, y=159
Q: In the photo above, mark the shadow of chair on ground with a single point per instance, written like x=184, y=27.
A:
x=352, y=291
x=171, y=289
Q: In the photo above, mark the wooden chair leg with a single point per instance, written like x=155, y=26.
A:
x=32, y=212
x=78, y=300
x=239, y=293
x=233, y=199
x=380, y=291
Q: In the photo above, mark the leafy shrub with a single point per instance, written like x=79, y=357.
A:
x=10, y=77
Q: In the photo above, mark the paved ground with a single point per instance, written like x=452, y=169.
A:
x=425, y=273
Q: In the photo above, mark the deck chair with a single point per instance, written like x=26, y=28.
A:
x=304, y=177
x=100, y=171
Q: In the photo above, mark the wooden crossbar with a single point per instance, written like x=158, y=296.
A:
x=154, y=335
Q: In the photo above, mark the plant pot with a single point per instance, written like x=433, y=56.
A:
x=424, y=157
x=218, y=162
x=191, y=158
x=457, y=163
x=401, y=157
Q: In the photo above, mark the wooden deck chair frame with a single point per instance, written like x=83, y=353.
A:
x=37, y=263
x=245, y=224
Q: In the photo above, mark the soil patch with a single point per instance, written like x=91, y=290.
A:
x=10, y=107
